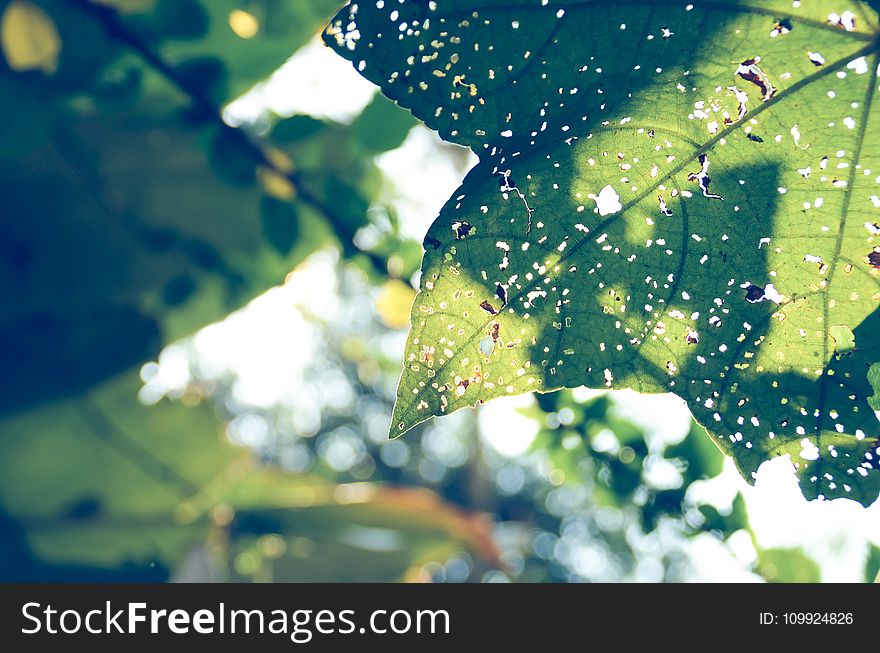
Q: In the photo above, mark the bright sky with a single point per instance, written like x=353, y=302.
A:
x=266, y=345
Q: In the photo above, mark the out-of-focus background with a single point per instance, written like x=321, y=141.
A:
x=210, y=233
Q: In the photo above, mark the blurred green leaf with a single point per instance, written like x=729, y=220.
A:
x=117, y=89
x=181, y=19
x=86, y=47
x=232, y=160
x=872, y=564
x=282, y=27
x=207, y=75
x=101, y=487
x=296, y=128
x=382, y=126
x=725, y=523
x=178, y=290
x=702, y=457
x=347, y=202
x=91, y=229
x=27, y=113
x=280, y=224
x=787, y=566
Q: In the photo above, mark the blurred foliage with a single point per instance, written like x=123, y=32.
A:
x=100, y=488
x=872, y=565
x=125, y=194
x=584, y=503
x=787, y=566
x=133, y=215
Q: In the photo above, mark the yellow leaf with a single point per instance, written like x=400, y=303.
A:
x=29, y=38
x=280, y=160
x=244, y=24
x=275, y=184
x=394, y=303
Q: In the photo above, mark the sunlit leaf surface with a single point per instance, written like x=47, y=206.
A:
x=670, y=197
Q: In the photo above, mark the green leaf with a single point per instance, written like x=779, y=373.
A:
x=728, y=522
x=349, y=202
x=250, y=56
x=82, y=46
x=101, y=487
x=872, y=564
x=296, y=128
x=105, y=256
x=27, y=113
x=280, y=224
x=118, y=88
x=232, y=159
x=843, y=338
x=670, y=197
x=702, y=458
x=181, y=19
x=787, y=566
x=207, y=75
x=381, y=127
x=874, y=380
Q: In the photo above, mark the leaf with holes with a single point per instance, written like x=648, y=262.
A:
x=670, y=197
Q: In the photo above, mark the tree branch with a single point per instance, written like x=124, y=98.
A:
x=117, y=29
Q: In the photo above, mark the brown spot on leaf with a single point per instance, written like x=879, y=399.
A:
x=493, y=331
x=750, y=71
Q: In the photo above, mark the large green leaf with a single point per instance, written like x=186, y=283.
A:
x=590, y=246
x=102, y=487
